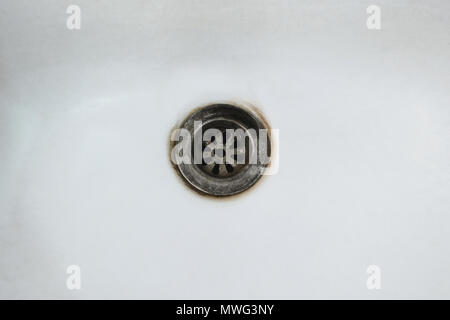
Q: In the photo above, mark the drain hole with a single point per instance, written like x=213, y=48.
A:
x=223, y=153
x=226, y=166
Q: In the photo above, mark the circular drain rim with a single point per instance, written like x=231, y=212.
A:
x=248, y=174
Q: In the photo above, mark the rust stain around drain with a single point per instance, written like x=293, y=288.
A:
x=247, y=108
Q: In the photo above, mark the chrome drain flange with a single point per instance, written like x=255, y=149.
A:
x=229, y=149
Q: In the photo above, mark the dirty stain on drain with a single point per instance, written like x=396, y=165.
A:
x=221, y=149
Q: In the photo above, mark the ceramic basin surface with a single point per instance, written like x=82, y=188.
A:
x=364, y=125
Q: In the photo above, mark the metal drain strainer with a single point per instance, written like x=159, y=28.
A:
x=227, y=165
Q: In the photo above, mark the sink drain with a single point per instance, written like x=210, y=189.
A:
x=225, y=149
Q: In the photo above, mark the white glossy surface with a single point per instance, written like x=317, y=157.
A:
x=364, y=119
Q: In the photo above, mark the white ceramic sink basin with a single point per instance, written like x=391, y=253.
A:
x=364, y=176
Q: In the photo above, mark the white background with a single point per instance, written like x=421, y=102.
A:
x=364, y=120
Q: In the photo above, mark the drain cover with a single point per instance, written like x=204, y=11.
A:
x=226, y=149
